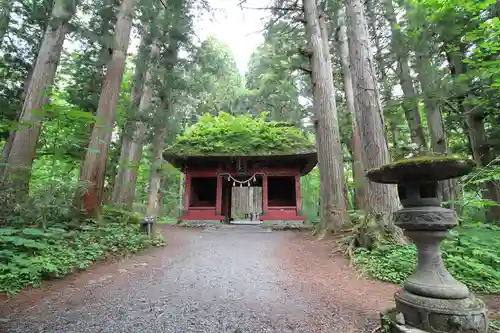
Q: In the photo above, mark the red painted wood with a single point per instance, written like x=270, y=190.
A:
x=203, y=173
x=281, y=172
x=187, y=191
x=216, y=213
x=298, y=196
x=200, y=208
x=201, y=213
x=269, y=171
x=197, y=217
x=218, y=199
x=282, y=213
x=264, y=194
x=273, y=213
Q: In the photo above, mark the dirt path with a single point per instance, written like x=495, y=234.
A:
x=236, y=279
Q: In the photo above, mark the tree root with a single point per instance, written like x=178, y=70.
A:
x=369, y=231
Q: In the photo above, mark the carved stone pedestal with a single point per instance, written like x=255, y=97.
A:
x=431, y=300
x=437, y=315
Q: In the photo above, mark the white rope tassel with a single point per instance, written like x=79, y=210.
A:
x=253, y=179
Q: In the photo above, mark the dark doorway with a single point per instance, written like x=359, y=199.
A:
x=281, y=191
x=203, y=192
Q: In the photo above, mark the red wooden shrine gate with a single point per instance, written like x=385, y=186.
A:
x=209, y=180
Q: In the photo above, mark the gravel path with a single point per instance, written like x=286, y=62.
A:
x=235, y=279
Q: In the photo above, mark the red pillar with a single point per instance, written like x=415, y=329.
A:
x=218, y=199
x=264, y=196
x=187, y=193
x=298, y=195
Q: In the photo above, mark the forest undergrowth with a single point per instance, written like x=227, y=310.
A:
x=470, y=253
x=43, y=240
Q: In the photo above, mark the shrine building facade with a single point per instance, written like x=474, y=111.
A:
x=209, y=180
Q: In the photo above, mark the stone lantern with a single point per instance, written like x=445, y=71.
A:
x=431, y=300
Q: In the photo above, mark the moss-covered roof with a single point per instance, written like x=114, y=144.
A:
x=264, y=154
x=244, y=135
x=305, y=160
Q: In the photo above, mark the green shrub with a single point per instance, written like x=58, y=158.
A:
x=111, y=213
x=41, y=240
x=47, y=206
x=31, y=255
x=472, y=255
x=158, y=240
x=495, y=323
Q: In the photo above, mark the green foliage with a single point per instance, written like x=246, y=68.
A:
x=158, y=240
x=40, y=239
x=273, y=81
x=167, y=220
x=216, y=82
x=228, y=134
x=471, y=255
x=391, y=263
x=472, y=206
x=19, y=46
x=111, y=214
x=495, y=323
x=30, y=255
x=309, y=188
x=368, y=231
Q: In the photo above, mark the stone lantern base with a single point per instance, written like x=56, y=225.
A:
x=432, y=301
x=417, y=314
x=392, y=322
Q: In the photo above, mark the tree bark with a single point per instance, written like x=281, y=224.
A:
x=23, y=147
x=160, y=127
x=161, y=197
x=132, y=146
x=357, y=163
x=382, y=199
x=481, y=149
x=135, y=98
x=483, y=156
x=5, y=12
x=330, y=159
x=381, y=69
x=410, y=103
x=94, y=169
x=155, y=174
x=428, y=82
x=12, y=133
x=427, y=76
